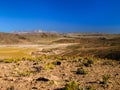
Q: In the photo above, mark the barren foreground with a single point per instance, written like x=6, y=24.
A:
x=52, y=73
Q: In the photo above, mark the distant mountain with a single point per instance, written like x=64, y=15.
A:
x=41, y=37
x=27, y=31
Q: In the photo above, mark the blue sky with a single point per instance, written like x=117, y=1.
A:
x=60, y=15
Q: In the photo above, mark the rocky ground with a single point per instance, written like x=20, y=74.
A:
x=53, y=73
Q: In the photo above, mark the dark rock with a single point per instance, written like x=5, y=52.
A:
x=34, y=88
x=37, y=68
x=1, y=60
x=42, y=79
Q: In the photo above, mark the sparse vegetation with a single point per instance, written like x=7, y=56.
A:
x=49, y=66
x=27, y=73
x=72, y=85
x=88, y=63
x=81, y=71
x=105, y=78
x=71, y=62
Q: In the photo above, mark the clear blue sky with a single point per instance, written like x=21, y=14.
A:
x=60, y=15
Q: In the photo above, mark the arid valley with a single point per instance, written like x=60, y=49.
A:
x=54, y=61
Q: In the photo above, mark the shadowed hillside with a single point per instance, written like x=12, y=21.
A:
x=104, y=46
x=27, y=38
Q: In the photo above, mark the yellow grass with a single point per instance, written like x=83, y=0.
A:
x=15, y=52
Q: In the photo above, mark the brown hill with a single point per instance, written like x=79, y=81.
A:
x=27, y=38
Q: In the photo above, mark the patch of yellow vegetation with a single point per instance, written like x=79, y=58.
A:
x=15, y=52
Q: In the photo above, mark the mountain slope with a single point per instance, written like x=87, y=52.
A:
x=27, y=38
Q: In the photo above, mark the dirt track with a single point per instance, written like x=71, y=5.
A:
x=37, y=45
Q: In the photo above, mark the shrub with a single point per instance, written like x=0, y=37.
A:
x=49, y=66
x=72, y=85
x=105, y=78
x=8, y=60
x=88, y=63
x=81, y=71
x=24, y=73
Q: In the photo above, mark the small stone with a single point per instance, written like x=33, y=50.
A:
x=42, y=79
x=33, y=88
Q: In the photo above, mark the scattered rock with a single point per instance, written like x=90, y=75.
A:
x=34, y=88
x=9, y=78
x=42, y=79
x=1, y=60
x=37, y=68
x=57, y=63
